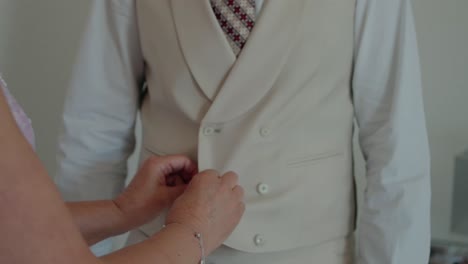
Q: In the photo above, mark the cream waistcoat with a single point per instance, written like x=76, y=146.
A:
x=280, y=115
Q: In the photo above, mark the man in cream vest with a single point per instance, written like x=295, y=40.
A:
x=268, y=89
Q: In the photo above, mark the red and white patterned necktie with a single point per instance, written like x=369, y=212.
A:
x=237, y=19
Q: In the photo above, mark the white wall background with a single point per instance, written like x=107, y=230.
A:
x=38, y=40
x=443, y=36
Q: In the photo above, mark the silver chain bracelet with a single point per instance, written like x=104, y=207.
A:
x=199, y=238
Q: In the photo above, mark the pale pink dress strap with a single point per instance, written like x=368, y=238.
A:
x=24, y=123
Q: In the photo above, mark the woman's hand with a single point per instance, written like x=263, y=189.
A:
x=211, y=205
x=155, y=187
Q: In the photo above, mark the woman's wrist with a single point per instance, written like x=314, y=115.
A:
x=118, y=221
x=123, y=216
x=99, y=220
x=189, y=241
x=134, y=213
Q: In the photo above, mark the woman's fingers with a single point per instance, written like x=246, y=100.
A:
x=175, y=192
x=230, y=179
x=209, y=175
x=175, y=180
x=173, y=170
x=239, y=192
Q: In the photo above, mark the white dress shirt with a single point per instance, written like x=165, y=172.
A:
x=394, y=227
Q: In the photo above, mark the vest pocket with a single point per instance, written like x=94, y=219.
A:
x=153, y=151
x=315, y=158
x=147, y=152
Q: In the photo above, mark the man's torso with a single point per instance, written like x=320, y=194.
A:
x=280, y=115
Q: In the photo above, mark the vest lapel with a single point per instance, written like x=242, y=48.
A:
x=203, y=43
x=260, y=62
x=235, y=86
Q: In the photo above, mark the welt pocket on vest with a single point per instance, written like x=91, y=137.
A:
x=154, y=151
x=315, y=158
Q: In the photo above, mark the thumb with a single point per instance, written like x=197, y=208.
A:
x=174, y=192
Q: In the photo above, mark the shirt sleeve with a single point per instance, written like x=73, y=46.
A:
x=394, y=224
x=22, y=120
x=97, y=135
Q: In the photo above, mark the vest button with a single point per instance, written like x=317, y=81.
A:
x=259, y=240
x=263, y=188
x=265, y=132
